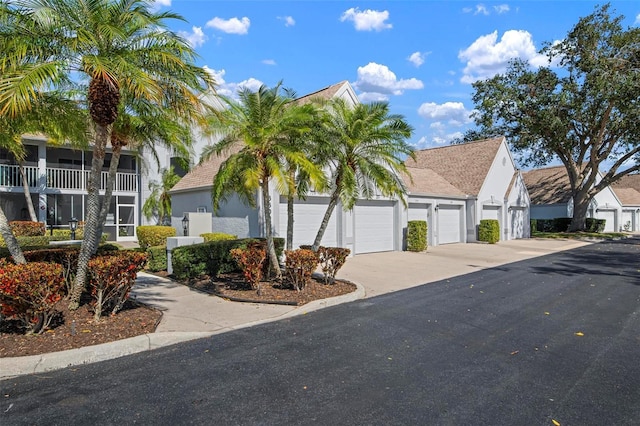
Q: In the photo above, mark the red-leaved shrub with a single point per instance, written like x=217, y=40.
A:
x=29, y=292
x=299, y=265
x=111, y=278
x=251, y=260
x=331, y=260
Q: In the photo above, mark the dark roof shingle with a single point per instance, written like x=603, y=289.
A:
x=464, y=166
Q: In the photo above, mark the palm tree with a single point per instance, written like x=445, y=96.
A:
x=119, y=46
x=364, y=148
x=62, y=121
x=258, y=128
x=159, y=202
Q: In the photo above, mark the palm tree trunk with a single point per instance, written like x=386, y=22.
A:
x=27, y=193
x=10, y=239
x=108, y=192
x=271, y=248
x=91, y=227
x=333, y=202
x=289, y=222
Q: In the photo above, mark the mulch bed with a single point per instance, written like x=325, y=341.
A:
x=233, y=287
x=76, y=329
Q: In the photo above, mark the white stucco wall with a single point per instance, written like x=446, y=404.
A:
x=518, y=199
x=233, y=217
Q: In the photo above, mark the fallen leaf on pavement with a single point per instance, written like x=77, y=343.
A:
x=579, y=334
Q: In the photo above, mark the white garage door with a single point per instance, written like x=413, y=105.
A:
x=374, y=226
x=491, y=212
x=627, y=220
x=610, y=217
x=517, y=223
x=449, y=220
x=308, y=216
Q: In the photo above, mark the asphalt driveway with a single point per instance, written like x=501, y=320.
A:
x=553, y=338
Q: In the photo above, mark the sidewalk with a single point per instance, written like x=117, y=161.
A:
x=189, y=314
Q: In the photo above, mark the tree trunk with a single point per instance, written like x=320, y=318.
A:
x=10, y=240
x=108, y=192
x=333, y=202
x=581, y=202
x=289, y=222
x=91, y=226
x=27, y=193
x=271, y=248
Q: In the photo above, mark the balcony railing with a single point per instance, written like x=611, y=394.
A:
x=59, y=178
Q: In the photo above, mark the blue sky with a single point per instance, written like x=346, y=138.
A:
x=420, y=56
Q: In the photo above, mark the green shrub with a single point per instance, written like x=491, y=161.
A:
x=154, y=235
x=417, y=235
x=595, y=225
x=65, y=234
x=561, y=224
x=533, y=225
x=211, y=258
x=218, y=236
x=489, y=231
x=26, y=228
x=157, y=259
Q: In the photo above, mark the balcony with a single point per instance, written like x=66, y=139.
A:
x=59, y=178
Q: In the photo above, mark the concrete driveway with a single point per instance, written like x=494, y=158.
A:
x=385, y=272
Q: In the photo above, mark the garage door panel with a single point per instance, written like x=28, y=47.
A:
x=449, y=220
x=517, y=222
x=374, y=226
x=308, y=216
x=610, y=217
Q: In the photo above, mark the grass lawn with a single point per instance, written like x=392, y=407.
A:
x=579, y=235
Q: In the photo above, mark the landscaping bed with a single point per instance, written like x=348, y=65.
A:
x=75, y=329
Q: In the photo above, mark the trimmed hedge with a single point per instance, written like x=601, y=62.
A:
x=417, y=235
x=157, y=258
x=154, y=235
x=489, y=231
x=26, y=228
x=218, y=236
x=211, y=258
x=595, y=225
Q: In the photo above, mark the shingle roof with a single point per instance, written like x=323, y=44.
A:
x=548, y=186
x=201, y=176
x=325, y=93
x=627, y=189
x=464, y=166
x=426, y=181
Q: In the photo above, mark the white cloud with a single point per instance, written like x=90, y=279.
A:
x=480, y=9
x=418, y=58
x=288, y=20
x=376, y=80
x=158, y=4
x=231, y=89
x=369, y=20
x=269, y=62
x=487, y=56
x=230, y=26
x=453, y=113
x=638, y=19
x=196, y=37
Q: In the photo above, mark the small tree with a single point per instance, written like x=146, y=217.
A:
x=159, y=201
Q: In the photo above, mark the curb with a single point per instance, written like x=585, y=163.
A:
x=17, y=366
